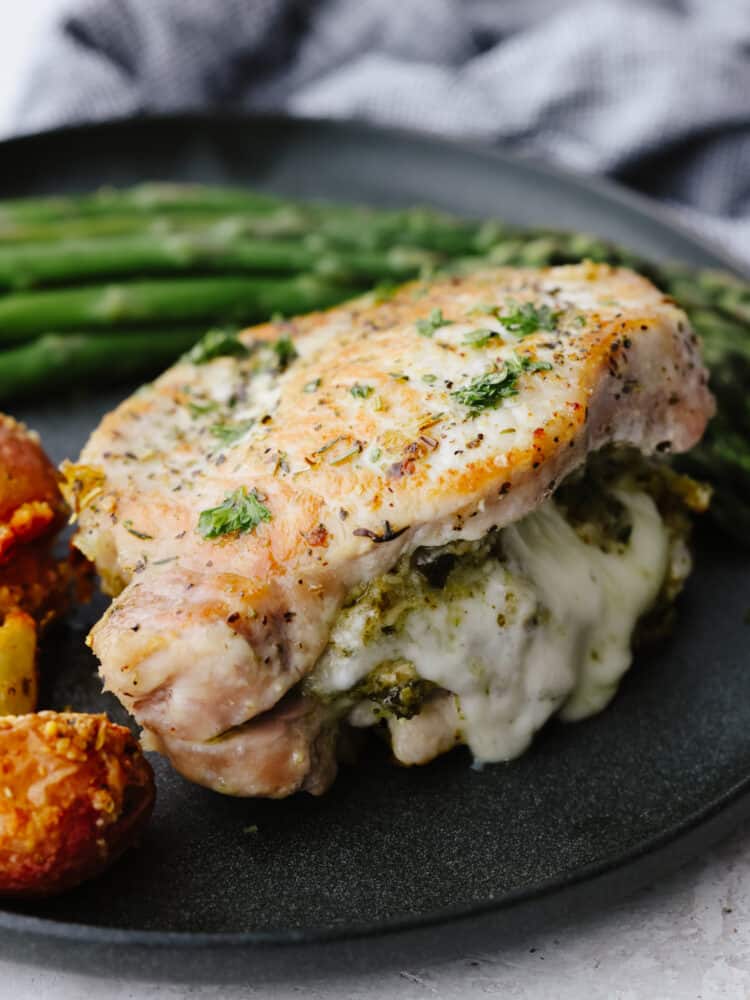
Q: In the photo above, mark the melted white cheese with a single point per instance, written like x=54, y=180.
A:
x=548, y=629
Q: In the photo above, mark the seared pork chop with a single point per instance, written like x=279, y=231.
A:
x=251, y=508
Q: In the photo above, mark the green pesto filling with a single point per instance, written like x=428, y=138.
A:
x=394, y=688
x=428, y=577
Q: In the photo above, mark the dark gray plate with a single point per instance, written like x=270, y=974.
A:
x=593, y=809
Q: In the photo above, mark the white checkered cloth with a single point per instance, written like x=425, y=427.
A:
x=656, y=93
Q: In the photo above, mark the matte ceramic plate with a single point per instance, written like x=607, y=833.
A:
x=656, y=776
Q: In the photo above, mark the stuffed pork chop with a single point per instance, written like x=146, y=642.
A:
x=445, y=514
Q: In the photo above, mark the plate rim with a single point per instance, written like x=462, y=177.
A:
x=630, y=201
x=87, y=934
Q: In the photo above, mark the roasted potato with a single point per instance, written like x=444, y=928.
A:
x=34, y=589
x=18, y=672
x=31, y=505
x=35, y=585
x=75, y=792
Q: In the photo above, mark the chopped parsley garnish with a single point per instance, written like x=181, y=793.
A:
x=360, y=391
x=229, y=433
x=328, y=445
x=484, y=309
x=280, y=462
x=399, y=376
x=489, y=390
x=241, y=511
x=375, y=454
x=286, y=352
x=354, y=450
x=217, y=344
x=430, y=419
x=426, y=327
x=480, y=337
x=527, y=318
x=312, y=386
x=581, y=320
x=429, y=379
x=199, y=409
x=383, y=292
x=128, y=526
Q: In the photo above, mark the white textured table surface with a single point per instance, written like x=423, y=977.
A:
x=688, y=938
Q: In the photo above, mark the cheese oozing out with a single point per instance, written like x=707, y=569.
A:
x=536, y=620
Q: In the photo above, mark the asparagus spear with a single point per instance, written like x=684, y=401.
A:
x=311, y=230
x=191, y=300
x=86, y=260
x=93, y=227
x=166, y=198
x=54, y=361
x=285, y=221
x=144, y=199
x=110, y=212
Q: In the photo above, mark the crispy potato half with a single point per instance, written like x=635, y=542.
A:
x=75, y=792
x=34, y=584
x=18, y=673
x=31, y=505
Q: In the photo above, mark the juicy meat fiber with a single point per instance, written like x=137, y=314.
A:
x=361, y=451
